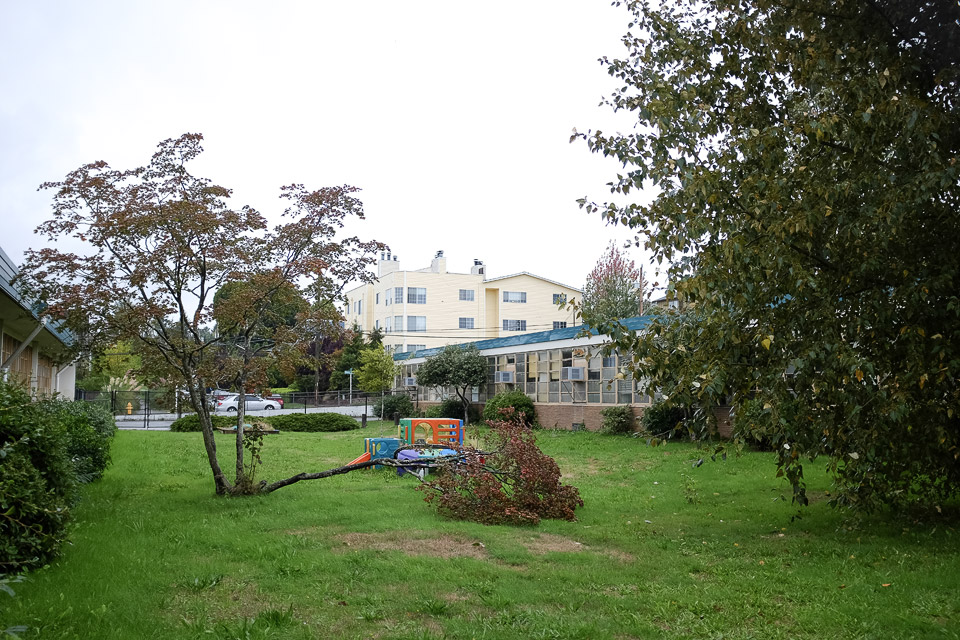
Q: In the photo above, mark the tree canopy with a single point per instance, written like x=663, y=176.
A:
x=614, y=289
x=458, y=367
x=377, y=370
x=160, y=243
x=804, y=158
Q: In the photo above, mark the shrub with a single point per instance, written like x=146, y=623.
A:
x=752, y=425
x=397, y=405
x=312, y=422
x=191, y=422
x=618, y=419
x=516, y=484
x=662, y=421
x=452, y=408
x=89, y=431
x=37, y=482
x=521, y=404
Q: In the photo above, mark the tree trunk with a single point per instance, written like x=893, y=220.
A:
x=198, y=400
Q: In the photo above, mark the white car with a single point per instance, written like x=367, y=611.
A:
x=251, y=403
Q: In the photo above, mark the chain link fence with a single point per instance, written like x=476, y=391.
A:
x=158, y=408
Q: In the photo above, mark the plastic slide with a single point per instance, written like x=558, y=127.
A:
x=364, y=458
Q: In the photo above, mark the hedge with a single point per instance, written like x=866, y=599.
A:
x=306, y=422
x=46, y=449
x=520, y=402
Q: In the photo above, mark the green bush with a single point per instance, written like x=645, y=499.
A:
x=397, y=405
x=521, y=404
x=191, y=422
x=663, y=421
x=312, y=422
x=618, y=419
x=37, y=482
x=753, y=425
x=452, y=408
x=89, y=429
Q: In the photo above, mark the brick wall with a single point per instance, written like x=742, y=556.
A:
x=564, y=416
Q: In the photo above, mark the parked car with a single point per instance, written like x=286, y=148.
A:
x=275, y=397
x=251, y=403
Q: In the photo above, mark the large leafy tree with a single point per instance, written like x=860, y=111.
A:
x=804, y=158
x=615, y=289
x=455, y=367
x=378, y=371
x=161, y=242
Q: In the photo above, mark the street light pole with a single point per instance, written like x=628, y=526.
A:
x=349, y=372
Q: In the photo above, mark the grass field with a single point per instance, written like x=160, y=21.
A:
x=661, y=550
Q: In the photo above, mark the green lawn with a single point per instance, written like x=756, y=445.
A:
x=661, y=549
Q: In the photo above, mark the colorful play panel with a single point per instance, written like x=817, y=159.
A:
x=431, y=431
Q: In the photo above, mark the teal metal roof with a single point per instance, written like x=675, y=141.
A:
x=8, y=271
x=631, y=324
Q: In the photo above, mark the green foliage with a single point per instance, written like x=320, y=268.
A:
x=663, y=420
x=522, y=405
x=349, y=359
x=89, y=429
x=191, y=422
x=453, y=408
x=752, y=424
x=458, y=367
x=805, y=166
x=614, y=289
x=514, y=484
x=309, y=422
x=618, y=419
x=397, y=404
x=37, y=481
x=377, y=370
x=312, y=422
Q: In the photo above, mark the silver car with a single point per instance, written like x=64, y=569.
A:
x=251, y=403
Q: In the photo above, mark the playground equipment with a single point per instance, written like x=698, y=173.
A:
x=433, y=433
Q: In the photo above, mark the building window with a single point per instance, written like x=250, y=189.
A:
x=378, y=299
x=514, y=325
x=466, y=295
x=559, y=325
x=416, y=295
x=559, y=298
x=357, y=306
x=514, y=296
x=416, y=347
x=416, y=323
x=398, y=295
x=466, y=323
x=398, y=323
x=388, y=324
x=376, y=324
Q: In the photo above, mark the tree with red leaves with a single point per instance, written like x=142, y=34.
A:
x=615, y=289
x=161, y=243
x=511, y=482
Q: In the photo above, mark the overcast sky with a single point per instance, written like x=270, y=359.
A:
x=453, y=118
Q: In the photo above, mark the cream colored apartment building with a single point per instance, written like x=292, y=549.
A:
x=432, y=307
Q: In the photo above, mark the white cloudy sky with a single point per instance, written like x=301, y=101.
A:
x=453, y=118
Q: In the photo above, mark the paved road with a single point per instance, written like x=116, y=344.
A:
x=162, y=421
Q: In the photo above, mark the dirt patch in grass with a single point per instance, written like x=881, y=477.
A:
x=226, y=600
x=415, y=544
x=550, y=543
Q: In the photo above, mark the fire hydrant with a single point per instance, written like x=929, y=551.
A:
x=129, y=408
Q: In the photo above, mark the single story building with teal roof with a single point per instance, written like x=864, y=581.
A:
x=564, y=372
x=32, y=351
